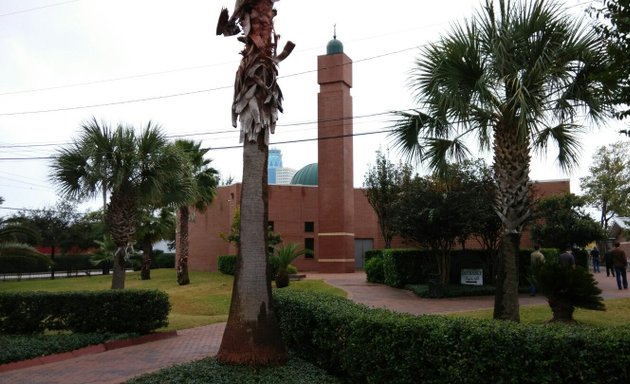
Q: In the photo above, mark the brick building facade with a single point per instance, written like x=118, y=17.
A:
x=330, y=216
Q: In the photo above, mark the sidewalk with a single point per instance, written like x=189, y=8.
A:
x=119, y=365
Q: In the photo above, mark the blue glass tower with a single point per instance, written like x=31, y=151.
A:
x=275, y=162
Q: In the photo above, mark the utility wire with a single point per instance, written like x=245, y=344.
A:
x=38, y=8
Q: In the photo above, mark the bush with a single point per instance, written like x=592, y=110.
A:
x=163, y=260
x=21, y=347
x=374, y=270
x=113, y=311
x=453, y=290
x=378, y=346
x=227, y=264
x=295, y=371
x=567, y=288
x=24, y=263
x=406, y=266
x=371, y=253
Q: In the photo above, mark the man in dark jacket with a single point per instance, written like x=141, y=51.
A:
x=621, y=264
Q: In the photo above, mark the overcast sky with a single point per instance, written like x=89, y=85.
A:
x=135, y=61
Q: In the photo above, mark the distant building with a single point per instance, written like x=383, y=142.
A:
x=320, y=209
x=284, y=175
x=274, y=163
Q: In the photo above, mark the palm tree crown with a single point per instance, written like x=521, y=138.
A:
x=136, y=170
x=515, y=77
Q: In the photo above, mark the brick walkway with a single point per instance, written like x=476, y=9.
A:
x=119, y=365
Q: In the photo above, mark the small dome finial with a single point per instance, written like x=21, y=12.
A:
x=334, y=46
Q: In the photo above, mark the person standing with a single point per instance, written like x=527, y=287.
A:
x=566, y=258
x=595, y=258
x=621, y=264
x=537, y=258
x=609, y=264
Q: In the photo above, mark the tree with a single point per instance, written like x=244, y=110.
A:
x=440, y=211
x=134, y=169
x=561, y=220
x=153, y=228
x=52, y=225
x=204, y=185
x=514, y=77
x=381, y=187
x=607, y=187
x=615, y=29
x=252, y=334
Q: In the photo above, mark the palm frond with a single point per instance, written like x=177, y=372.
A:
x=565, y=137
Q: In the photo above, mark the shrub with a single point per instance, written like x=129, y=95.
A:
x=114, y=311
x=371, y=253
x=163, y=260
x=406, y=266
x=227, y=264
x=22, y=347
x=378, y=346
x=24, y=263
x=567, y=288
x=295, y=371
x=374, y=270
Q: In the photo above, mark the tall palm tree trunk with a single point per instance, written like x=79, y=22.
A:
x=252, y=335
x=511, y=167
x=182, y=261
x=121, y=221
x=147, y=251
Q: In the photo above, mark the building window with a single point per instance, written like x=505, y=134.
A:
x=270, y=225
x=309, y=226
x=309, y=246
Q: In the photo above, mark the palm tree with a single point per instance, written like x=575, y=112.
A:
x=252, y=333
x=514, y=77
x=152, y=228
x=204, y=185
x=281, y=259
x=133, y=169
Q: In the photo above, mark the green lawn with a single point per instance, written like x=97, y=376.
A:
x=617, y=314
x=206, y=300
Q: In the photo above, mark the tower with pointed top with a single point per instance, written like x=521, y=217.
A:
x=335, y=248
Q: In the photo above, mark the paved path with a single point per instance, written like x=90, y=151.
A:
x=119, y=365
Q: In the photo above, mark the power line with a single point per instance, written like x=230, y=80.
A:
x=232, y=146
x=38, y=8
x=153, y=98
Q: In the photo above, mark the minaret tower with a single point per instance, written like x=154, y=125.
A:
x=335, y=248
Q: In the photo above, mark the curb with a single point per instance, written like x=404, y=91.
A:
x=89, y=350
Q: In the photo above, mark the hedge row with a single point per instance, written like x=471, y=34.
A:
x=400, y=267
x=378, y=346
x=227, y=264
x=113, y=311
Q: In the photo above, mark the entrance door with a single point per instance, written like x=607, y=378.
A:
x=360, y=246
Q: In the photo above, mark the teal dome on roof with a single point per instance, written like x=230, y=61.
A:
x=306, y=176
x=334, y=46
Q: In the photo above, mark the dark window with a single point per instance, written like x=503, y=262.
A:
x=309, y=245
x=270, y=225
x=309, y=226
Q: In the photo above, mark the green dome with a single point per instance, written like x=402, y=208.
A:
x=334, y=46
x=306, y=176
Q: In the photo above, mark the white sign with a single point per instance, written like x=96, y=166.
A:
x=472, y=276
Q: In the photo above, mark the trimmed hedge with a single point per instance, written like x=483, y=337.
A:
x=402, y=267
x=24, y=263
x=111, y=311
x=227, y=264
x=162, y=260
x=378, y=346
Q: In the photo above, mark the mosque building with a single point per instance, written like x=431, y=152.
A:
x=320, y=208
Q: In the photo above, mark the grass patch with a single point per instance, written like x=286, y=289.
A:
x=617, y=314
x=296, y=371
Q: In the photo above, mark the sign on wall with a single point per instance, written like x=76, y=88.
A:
x=472, y=277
